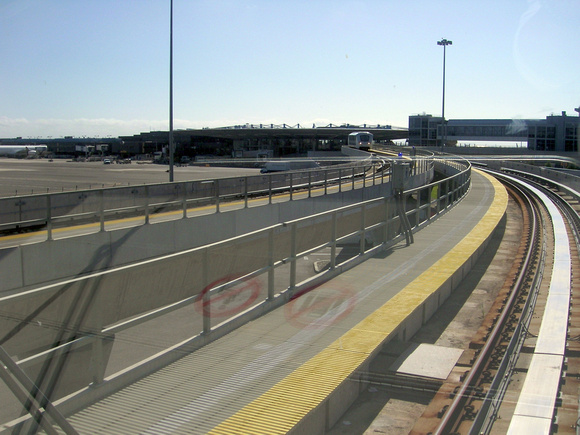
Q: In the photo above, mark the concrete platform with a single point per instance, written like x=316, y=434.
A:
x=298, y=368
x=427, y=360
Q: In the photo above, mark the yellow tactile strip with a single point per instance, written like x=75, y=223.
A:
x=285, y=404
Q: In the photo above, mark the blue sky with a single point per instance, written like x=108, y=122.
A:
x=101, y=67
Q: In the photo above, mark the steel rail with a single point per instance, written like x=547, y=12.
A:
x=466, y=391
x=486, y=417
x=487, y=413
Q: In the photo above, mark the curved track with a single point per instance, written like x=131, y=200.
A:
x=542, y=272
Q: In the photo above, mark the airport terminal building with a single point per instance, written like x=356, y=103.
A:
x=555, y=133
x=558, y=133
x=258, y=140
x=240, y=141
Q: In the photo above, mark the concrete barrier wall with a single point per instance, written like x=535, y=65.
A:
x=561, y=177
x=92, y=202
x=32, y=321
x=34, y=264
x=89, y=303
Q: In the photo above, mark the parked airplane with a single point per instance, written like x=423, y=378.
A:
x=22, y=151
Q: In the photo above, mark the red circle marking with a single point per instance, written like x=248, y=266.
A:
x=250, y=288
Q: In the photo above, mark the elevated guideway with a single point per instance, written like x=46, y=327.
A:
x=297, y=368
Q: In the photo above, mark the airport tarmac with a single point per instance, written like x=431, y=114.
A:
x=37, y=176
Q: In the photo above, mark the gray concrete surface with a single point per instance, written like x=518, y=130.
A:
x=25, y=177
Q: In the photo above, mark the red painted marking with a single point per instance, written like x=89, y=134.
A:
x=249, y=290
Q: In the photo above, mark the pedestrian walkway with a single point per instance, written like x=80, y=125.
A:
x=297, y=368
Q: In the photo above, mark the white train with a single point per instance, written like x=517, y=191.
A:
x=361, y=140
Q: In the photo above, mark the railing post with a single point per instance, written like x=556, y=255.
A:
x=439, y=197
x=418, y=209
x=386, y=226
x=333, y=242
x=271, y=264
x=309, y=184
x=217, y=195
x=246, y=192
x=362, y=229
x=444, y=194
x=325, y=181
x=449, y=197
x=293, y=249
x=102, y=210
x=269, y=189
x=205, y=302
x=382, y=174
x=48, y=217
x=339, y=180
x=97, y=359
x=184, y=186
x=429, y=202
x=291, y=187
x=352, y=178
x=146, y=204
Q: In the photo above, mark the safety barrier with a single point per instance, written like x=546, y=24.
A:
x=100, y=205
x=62, y=334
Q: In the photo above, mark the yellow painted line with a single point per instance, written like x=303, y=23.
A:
x=310, y=384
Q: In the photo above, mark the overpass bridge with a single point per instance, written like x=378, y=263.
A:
x=258, y=343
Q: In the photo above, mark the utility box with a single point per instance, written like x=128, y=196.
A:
x=401, y=171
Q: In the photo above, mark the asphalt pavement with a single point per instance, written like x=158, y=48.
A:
x=38, y=176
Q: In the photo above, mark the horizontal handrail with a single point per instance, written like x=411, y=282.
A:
x=29, y=210
x=20, y=212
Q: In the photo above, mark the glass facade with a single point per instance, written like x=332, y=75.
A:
x=555, y=133
x=423, y=130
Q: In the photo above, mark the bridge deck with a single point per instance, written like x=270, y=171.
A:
x=279, y=373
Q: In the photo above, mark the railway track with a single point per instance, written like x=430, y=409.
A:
x=484, y=399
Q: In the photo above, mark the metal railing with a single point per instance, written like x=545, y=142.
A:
x=48, y=211
x=228, y=283
x=101, y=205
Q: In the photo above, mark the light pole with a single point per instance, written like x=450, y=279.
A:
x=171, y=157
x=444, y=43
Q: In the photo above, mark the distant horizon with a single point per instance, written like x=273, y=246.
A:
x=267, y=126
